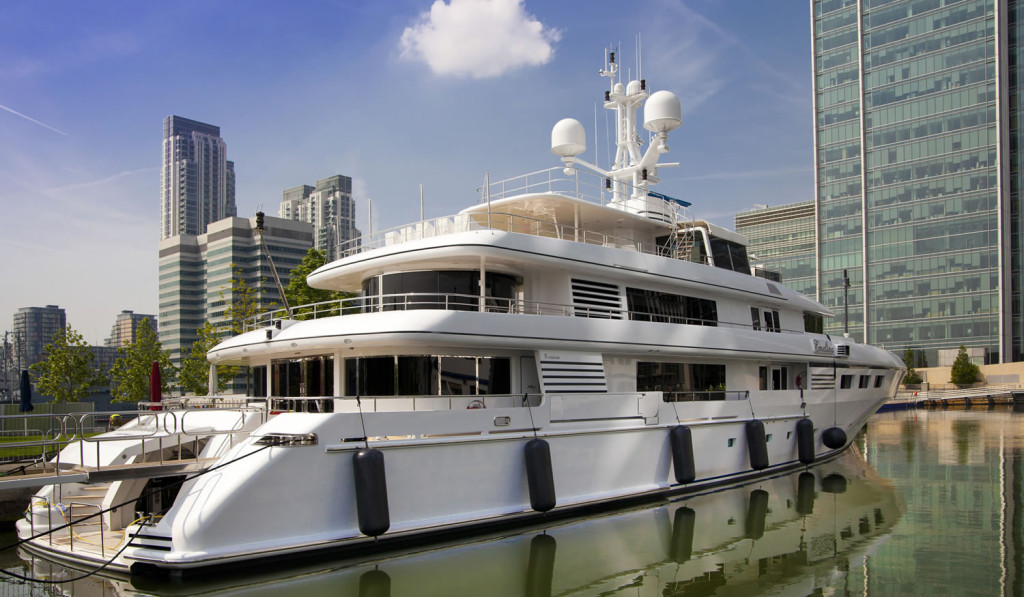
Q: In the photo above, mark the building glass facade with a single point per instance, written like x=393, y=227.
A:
x=781, y=239
x=911, y=174
x=196, y=273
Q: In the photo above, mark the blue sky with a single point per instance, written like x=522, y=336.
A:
x=394, y=94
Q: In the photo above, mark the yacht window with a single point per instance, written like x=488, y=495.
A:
x=878, y=380
x=450, y=290
x=730, y=255
x=259, y=381
x=301, y=377
x=682, y=381
x=427, y=375
x=814, y=323
x=864, y=380
x=755, y=319
x=651, y=305
x=846, y=382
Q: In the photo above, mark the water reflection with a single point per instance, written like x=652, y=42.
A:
x=793, y=533
x=961, y=475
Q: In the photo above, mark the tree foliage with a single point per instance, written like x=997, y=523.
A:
x=912, y=377
x=300, y=293
x=964, y=372
x=241, y=302
x=66, y=373
x=129, y=377
x=195, y=369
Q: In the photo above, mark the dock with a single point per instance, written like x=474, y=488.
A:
x=981, y=396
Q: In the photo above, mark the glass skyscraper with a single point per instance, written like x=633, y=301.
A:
x=782, y=241
x=918, y=172
x=196, y=273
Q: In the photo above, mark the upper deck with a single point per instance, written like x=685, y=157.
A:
x=579, y=208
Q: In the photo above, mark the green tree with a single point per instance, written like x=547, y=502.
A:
x=195, y=369
x=300, y=293
x=66, y=373
x=241, y=302
x=912, y=376
x=964, y=372
x=129, y=377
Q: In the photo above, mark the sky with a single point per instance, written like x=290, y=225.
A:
x=395, y=94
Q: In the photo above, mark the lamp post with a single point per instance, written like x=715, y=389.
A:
x=846, y=305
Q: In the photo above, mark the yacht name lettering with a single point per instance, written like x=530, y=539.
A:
x=823, y=347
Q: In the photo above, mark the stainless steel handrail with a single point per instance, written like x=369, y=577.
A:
x=485, y=400
x=471, y=302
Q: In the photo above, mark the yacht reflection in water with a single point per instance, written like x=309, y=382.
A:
x=785, y=535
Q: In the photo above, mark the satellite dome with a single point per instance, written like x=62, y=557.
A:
x=662, y=112
x=568, y=138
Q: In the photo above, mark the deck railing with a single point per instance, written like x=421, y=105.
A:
x=500, y=221
x=410, y=301
x=579, y=185
x=175, y=418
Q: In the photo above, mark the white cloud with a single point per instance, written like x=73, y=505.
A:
x=478, y=38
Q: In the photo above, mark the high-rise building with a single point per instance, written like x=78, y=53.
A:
x=197, y=182
x=919, y=170
x=34, y=328
x=196, y=273
x=329, y=207
x=122, y=333
x=782, y=240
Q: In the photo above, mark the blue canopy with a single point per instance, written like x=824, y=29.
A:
x=664, y=197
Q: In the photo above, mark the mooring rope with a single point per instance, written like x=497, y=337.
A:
x=100, y=513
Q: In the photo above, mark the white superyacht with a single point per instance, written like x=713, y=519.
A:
x=571, y=340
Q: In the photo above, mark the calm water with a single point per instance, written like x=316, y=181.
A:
x=928, y=503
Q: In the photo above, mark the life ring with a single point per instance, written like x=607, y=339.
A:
x=799, y=382
x=474, y=404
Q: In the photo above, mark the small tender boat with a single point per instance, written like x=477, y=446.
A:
x=571, y=340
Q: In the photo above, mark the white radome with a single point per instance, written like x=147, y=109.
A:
x=568, y=138
x=662, y=112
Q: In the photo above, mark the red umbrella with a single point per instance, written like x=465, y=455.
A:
x=154, y=385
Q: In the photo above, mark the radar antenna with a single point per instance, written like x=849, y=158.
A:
x=633, y=169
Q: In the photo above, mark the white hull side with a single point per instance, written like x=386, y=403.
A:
x=290, y=499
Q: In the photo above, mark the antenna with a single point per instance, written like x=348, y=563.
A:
x=634, y=168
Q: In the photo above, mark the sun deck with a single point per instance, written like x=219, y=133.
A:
x=549, y=204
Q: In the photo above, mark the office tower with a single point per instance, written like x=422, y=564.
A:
x=919, y=170
x=34, y=328
x=122, y=333
x=197, y=182
x=196, y=273
x=329, y=207
x=782, y=240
